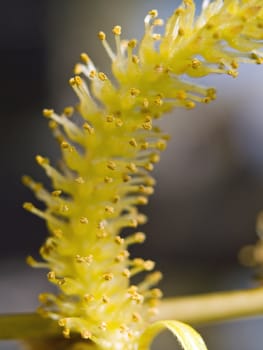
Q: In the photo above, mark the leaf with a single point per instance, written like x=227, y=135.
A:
x=187, y=337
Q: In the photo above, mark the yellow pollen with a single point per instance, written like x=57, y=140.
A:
x=181, y=31
x=133, y=143
x=132, y=167
x=190, y=104
x=134, y=92
x=153, y=13
x=80, y=180
x=116, y=199
x=119, y=240
x=195, y=63
x=88, y=298
x=116, y=30
x=109, y=209
x=92, y=74
x=57, y=233
x=126, y=273
x=136, y=317
x=139, y=237
x=83, y=220
x=158, y=22
x=111, y=165
x=68, y=111
x=132, y=43
x=41, y=160
x=232, y=73
x=51, y=276
x=108, y=179
x=110, y=118
x=89, y=128
x=101, y=35
x=86, y=334
x=48, y=113
x=108, y=276
x=102, y=76
x=135, y=59
x=156, y=36
x=105, y=299
x=84, y=57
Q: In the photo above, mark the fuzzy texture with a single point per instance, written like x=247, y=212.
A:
x=104, y=172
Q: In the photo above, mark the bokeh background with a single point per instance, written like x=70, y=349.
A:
x=210, y=180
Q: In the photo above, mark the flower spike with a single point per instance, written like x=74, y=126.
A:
x=104, y=174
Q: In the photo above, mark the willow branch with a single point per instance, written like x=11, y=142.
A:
x=27, y=326
x=213, y=307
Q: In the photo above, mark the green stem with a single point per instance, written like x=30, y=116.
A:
x=25, y=326
x=213, y=307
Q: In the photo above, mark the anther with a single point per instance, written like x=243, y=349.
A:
x=28, y=206
x=135, y=59
x=232, y=73
x=92, y=74
x=66, y=332
x=108, y=179
x=108, y=276
x=116, y=30
x=119, y=240
x=132, y=167
x=86, y=334
x=80, y=180
x=141, y=200
x=134, y=92
x=89, y=128
x=132, y=43
x=149, y=265
x=88, y=298
x=139, y=237
x=156, y=293
x=118, y=122
x=102, y=76
x=181, y=31
x=126, y=273
x=83, y=220
x=103, y=326
x=153, y=13
x=84, y=58
x=101, y=35
x=47, y=112
x=145, y=145
x=133, y=142
x=155, y=158
x=111, y=165
x=195, y=64
x=57, y=232
x=109, y=209
x=158, y=22
x=51, y=276
x=62, y=322
x=110, y=118
x=105, y=299
x=84, y=259
x=136, y=317
x=116, y=199
x=190, y=104
x=156, y=36
x=41, y=160
x=147, y=125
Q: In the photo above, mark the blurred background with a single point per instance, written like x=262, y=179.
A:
x=209, y=182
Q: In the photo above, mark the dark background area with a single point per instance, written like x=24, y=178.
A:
x=209, y=180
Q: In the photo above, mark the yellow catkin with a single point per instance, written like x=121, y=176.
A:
x=104, y=177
